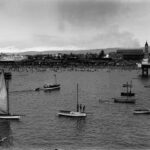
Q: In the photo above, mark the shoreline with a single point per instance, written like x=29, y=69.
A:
x=72, y=68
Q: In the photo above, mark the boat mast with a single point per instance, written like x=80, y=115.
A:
x=127, y=87
x=7, y=88
x=130, y=86
x=127, y=90
x=55, y=79
x=77, y=99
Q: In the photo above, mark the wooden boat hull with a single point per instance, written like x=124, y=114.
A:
x=130, y=101
x=51, y=88
x=10, y=117
x=138, y=112
x=71, y=114
x=47, y=89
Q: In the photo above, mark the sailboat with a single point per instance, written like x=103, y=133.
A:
x=50, y=87
x=128, y=92
x=73, y=114
x=126, y=96
x=4, y=99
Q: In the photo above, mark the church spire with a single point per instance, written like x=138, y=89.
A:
x=146, y=50
x=146, y=44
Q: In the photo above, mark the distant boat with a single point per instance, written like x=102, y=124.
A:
x=126, y=97
x=128, y=92
x=125, y=100
x=54, y=86
x=73, y=114
x=141, y=111
x=50, y=87
x=147, y=86
x=4, y=99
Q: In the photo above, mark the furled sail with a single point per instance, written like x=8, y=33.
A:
x=3, y=94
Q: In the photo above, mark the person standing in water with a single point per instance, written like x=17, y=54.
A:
x=80, y=107
x=84, y=108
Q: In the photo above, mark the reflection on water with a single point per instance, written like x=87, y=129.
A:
x=6, y=138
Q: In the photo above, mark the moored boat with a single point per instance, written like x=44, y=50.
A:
x=10, y=117
x=141, y=111
x=49, y=87
x=73, y=114
x=126, y=97
x=125, y=100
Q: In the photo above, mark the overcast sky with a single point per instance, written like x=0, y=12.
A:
x=73, y=24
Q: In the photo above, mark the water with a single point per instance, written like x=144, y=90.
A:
x=108, y=125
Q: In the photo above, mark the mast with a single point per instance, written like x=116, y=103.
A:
x=7, y=88
x=127, y=90
x=127, y=87
x=55, y=79
x=130, y=86
x=77, y=99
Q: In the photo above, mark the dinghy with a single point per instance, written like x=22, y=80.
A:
x=141, y=111
x=4, y=99
x=49, y=87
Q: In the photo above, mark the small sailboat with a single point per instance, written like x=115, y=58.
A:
x=50, y=87
x=4, y=99
x=54, y=86
x=73, y=114
x=129, y=91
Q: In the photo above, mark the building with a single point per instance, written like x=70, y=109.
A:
x=146, y=55
x=131, y=54
x=12, y=58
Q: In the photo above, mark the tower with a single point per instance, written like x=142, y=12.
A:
x=146, y=50
x=145, y=62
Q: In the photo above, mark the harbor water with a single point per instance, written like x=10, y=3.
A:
x=108, y=125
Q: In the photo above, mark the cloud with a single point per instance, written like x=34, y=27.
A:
x=89, y=14
x=114, y=37
x=73, y=23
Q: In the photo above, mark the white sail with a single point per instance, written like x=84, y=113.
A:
x=3, y=94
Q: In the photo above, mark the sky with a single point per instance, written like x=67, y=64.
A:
x=39, y=25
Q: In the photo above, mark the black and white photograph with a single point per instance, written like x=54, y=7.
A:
x=74, y=75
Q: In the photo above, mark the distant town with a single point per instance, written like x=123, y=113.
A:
x=118, y=58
